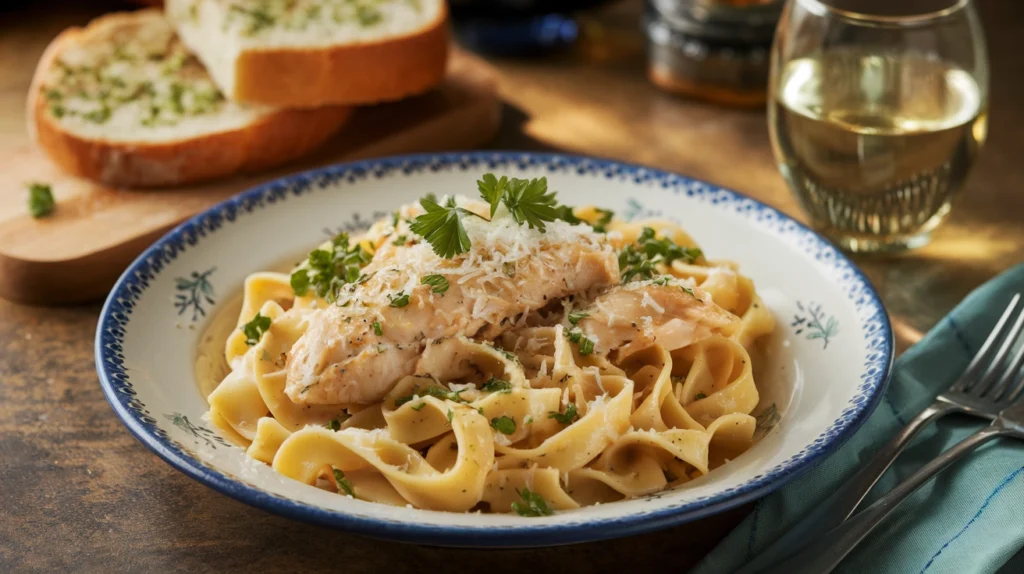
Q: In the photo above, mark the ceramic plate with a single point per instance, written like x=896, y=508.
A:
x=830, y=360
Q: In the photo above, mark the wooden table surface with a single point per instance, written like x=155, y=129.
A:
x=78, y=492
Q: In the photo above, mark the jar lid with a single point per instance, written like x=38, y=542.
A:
x=753, y=19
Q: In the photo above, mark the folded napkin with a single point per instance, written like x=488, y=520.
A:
x=968, y=519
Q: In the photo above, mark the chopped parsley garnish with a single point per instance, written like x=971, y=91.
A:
x=376, y=329
x=40, y=200
x=509, y=269
x=436, y=392
x=566, y=214
x=575, y=318
x=254, y=329
x=441, y=226
x=586, y=344
x=451, y=415
x=438, y=284
x=401, y=299
x=343, y=483
x=701, y=396
x=533, y=504
x=334, y=424
x=504, y=424
x=567, y=417
x=400, y=240
x=325, y=271
x=638, y=260
x=528, y=420
x=496, y=385
x=368, y=15
x=601, y=225
x=688, y=290
x=419, y=406
x=507, y=355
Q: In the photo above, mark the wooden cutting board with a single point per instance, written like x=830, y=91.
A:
x=77, y=253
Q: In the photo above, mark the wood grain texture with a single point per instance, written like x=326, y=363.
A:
x=76, y=254
x=78, y=493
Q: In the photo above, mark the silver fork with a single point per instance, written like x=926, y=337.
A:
x=980, y=391
x=824, y=554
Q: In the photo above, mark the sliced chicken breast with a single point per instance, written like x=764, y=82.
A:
x=341, y=359
x=633, y=317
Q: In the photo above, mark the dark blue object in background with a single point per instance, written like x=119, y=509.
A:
x=517, y=27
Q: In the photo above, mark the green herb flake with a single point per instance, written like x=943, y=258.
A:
x=566, y=418
x=575, y=318
x=601, y=225
x=504, y=424
x=509, y=268
x=700, y=396
x=343, y=483
x=400, y=240
x=400, y=299
x=451, y=415
x=40, y=200
x=255, y=328
x=368, y=15
x=334, y=424
x=376, y=329
x=438, y=283
x=586, y=345
x=419, y=406
x=496, y=385
x=533, y=504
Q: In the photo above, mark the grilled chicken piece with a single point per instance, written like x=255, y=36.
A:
x=341, y=360
x=632, y=317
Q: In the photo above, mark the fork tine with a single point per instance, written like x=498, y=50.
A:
x=971, y=372
x=996, y=367
x=1004, y=389
x=1017, y=387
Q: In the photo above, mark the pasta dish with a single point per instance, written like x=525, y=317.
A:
x=503, y=353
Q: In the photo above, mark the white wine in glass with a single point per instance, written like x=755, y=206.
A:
x=875, y=134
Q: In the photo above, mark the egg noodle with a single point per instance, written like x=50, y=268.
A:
x=609, y=392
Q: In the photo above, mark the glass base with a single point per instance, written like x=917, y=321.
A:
x=856, y=243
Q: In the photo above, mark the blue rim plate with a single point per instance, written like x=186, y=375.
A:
x=831, y=355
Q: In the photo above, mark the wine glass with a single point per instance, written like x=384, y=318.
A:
x=877, y=114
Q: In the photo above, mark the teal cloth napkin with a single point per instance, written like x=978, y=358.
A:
x=969, y=519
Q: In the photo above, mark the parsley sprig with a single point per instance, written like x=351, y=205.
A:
x=527, y=200
x=325, y=271
x=639, y=260
x=533, y=504
x=442, y=227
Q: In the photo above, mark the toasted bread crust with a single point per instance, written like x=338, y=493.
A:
x=271, y=140
x=352, y=74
